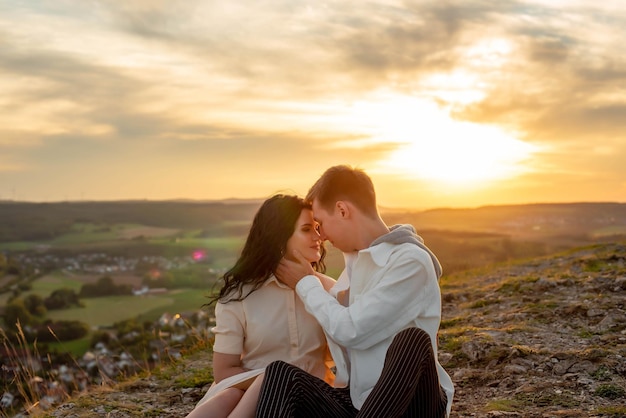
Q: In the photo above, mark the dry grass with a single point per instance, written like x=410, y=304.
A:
x=27, y=372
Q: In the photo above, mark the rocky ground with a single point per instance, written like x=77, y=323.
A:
x=544, y=338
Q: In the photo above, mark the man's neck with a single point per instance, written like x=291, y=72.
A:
x=371, y=229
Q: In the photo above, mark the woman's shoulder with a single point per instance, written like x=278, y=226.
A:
x=250, y=290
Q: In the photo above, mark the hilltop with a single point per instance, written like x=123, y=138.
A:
x=544, y=337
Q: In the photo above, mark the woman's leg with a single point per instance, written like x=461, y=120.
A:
x=219, y=406
x=409, y=384
x=246, y=407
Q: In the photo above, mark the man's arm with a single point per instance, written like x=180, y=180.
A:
x=407, y=291
x=327, y=281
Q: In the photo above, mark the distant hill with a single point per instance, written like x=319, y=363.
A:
x=27, y=221
x=552, y=220
x=21, y=221
x=461, y=238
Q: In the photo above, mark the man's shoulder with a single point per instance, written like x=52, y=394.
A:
x=403, y=247
x=386, y=252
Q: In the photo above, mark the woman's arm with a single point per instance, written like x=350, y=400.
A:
x=226, y=365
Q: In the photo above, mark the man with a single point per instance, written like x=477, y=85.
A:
x=381, y=318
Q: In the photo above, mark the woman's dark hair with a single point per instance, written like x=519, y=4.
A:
x=272, y=226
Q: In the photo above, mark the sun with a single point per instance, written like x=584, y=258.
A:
x=431, y=145
x=457, y=152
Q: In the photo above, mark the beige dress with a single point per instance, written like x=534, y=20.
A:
x=270, y=324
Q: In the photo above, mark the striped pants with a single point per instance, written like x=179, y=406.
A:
x=408, y=387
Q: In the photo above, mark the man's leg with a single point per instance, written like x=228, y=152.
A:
x=289, y=392
x=409, y=385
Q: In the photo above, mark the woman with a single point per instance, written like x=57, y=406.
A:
x=258, y=319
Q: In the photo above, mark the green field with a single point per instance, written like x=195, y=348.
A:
x=86, y=235
x=180, y=300
x=105, y=311
x=108, y=310
x=18, y=246
x=133, y=240
x=53, y=281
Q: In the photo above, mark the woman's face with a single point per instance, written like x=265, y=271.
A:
x=305, y=238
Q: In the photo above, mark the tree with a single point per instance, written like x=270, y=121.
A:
x=62, y=330
x=35, y=305
x=15, y=312
x=104, y=287
x=62, y=299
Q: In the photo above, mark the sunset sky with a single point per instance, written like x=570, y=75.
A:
x=444, y=103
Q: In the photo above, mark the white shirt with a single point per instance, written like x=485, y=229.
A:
x=391, y=288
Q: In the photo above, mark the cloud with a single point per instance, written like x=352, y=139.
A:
x=559, y=84
x=267, y=84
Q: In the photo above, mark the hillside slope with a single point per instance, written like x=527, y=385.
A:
x=543, y=338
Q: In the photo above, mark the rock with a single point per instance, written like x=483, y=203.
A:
x=583, y=366
x=515, y=369
x=611, y=320
x=445, y=358
x=595, y=312
x=473, y=350
x=544, y=284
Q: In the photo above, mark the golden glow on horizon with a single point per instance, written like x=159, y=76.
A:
x=433, y=146
x=463, y=153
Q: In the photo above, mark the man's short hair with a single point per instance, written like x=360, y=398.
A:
x=343, y=182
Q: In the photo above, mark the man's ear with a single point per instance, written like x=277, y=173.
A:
x=343, y=208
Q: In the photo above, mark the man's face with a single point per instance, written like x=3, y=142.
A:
x=331, y=225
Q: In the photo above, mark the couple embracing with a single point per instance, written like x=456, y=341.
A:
x=293, y=342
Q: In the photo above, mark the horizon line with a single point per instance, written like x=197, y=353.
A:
x=234, y=200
